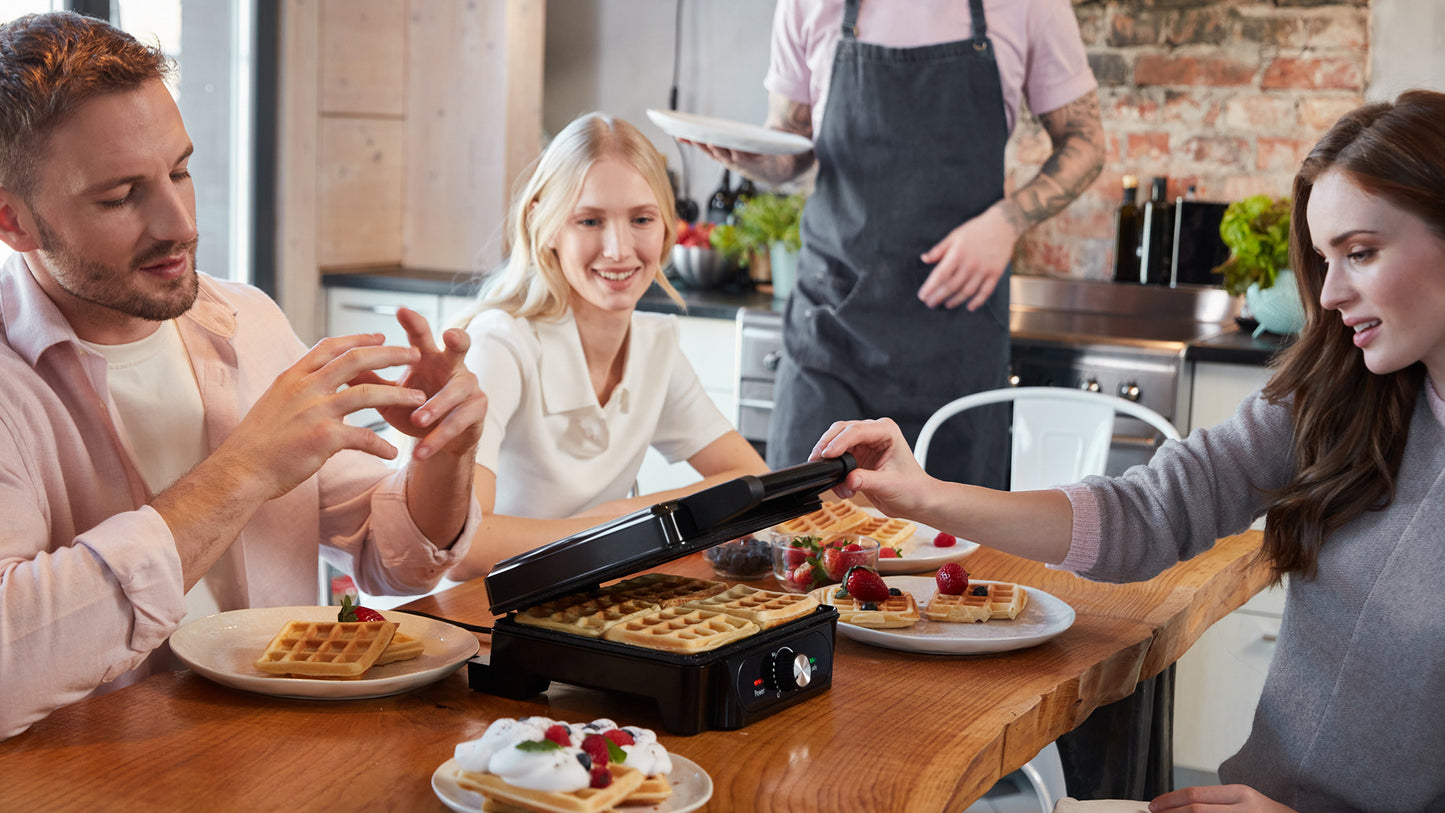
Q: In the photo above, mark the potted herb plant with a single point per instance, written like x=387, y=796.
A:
x=765, y=229
x=1256, y=231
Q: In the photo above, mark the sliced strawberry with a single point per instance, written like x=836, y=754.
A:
x=952, y=579
x=945, y=540
x=865, y=584
x=560, y=734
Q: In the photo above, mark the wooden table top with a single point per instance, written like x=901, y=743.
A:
x=896, y=731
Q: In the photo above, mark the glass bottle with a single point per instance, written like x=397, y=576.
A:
x=1127, y=221
x=720, y=206
x=1156, y=254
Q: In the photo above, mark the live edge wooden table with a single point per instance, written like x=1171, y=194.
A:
x=896, y=731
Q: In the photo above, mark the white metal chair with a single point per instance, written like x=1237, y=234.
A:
x=1059, y=436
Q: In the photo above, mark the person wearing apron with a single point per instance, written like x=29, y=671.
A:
x=911, y=147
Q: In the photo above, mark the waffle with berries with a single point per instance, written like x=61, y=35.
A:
x=664, y=589
x=509, y=797
x=889, y=531
x=588, y=614
x=833, y=518
x=899, y=610
x=326, y=649
x=979, y=603
x=682, y=630
x=762, y=607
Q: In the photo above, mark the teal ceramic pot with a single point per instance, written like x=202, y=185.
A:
x=1278, y=308
x=785, y=269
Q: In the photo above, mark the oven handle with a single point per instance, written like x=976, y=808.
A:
x=1137, y=442
x=755, y=403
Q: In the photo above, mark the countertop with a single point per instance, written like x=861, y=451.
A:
x=1231, y=344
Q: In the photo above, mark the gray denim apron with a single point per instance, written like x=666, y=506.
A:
x=911, y=146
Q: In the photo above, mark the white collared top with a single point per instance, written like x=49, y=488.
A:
x=554, y=449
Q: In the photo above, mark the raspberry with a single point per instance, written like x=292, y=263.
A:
x=952, y=579
x=559, y=734
x=595, y=745
x=619, y=736
x=945, y=540
x=601, y=777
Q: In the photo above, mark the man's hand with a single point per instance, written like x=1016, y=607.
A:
x=970, y=260
x=451, y=418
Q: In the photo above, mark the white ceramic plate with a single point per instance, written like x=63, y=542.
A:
x=733, y=135
x=224, y=648
x=691, y=788
x=920, y=555
x=1043, y=618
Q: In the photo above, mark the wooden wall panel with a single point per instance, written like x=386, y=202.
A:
x=363, y=56
x=474, y=121
x=296, y=215
x=360, y=180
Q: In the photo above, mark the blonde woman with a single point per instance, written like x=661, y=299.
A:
x=579, y=384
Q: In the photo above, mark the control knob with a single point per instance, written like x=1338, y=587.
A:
x=787, y=669
x=1090, y=385
x=1129, y=391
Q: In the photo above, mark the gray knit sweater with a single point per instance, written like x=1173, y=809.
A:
x=1353, y=711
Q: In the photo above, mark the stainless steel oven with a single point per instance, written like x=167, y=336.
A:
x=1120, y=339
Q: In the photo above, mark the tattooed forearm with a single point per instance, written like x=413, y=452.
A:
x=1077, y=133
x=789, y=116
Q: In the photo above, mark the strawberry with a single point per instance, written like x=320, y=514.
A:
x=802, y=576
x=356, y=612
x=886, y=552
x=619, y=736
x=864, y=584
x=560, y=734
x=952, y=579
x=945, y=540
x=601, y=777
x=595, y=745
x=793, y=557
x=835, y=563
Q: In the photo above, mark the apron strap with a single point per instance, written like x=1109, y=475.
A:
x=980, y=25
x=850, y=20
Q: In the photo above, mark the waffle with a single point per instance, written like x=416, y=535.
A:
x=326, y=649
x=653, y=790
x=402, y=647
x=1003, y=601
x=683, y=630
x=887, y=530
x=584, y=614
x=665, y=589
x=832, y=518
x=895, y=612
x=509, y=797
x=764, y=608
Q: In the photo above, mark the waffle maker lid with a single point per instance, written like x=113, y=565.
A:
x=662, y=532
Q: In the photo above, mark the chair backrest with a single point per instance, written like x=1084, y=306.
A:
x=1059, y=435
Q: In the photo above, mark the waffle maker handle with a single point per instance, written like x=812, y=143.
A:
x=720, y=504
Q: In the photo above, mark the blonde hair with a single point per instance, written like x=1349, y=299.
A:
x=530, y=283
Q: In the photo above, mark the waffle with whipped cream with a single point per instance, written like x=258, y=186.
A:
x=625, y=781
x=326, y=649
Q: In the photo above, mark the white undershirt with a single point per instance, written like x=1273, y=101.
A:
x=159, y=412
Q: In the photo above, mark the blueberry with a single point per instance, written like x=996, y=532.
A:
x=585, y=760
x=894, y=591
x=869, y=605
x=980, y=590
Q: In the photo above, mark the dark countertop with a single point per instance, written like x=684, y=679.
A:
x=1231, y=345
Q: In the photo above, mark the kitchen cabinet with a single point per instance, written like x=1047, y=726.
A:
x=1218, y=682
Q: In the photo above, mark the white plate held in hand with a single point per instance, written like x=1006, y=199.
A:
x=732, y=135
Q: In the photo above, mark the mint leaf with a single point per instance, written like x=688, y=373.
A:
x=614, y=751
x=537, y=745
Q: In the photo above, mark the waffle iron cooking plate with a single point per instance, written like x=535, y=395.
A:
x=725, y=688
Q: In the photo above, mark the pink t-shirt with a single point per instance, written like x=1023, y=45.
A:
x=1040, y=55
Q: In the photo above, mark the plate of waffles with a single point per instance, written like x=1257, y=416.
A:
x=225, y=648
x=691, y=789
x=1043, y=617
x=913, y=540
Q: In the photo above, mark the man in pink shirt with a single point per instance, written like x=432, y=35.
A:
x=164, y=434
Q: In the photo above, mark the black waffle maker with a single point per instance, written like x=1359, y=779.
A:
x=724, y=688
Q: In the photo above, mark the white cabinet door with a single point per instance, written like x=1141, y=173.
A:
x=710, y=346
x=1218, y=389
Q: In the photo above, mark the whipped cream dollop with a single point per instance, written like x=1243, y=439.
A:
x=559, y=769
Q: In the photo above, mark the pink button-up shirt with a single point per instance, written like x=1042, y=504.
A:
x=90, y=581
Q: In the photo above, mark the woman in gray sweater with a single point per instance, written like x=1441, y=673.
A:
x=1343, y=452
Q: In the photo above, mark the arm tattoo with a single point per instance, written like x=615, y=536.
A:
x=790, y=117
x=1077, y=134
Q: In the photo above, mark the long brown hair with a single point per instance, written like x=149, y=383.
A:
x=49, y=64
x=1350, y=425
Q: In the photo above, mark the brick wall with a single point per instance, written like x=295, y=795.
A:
x=1227, y=95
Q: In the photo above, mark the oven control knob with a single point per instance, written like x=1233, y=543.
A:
x=788, y=670
x=1090, y=385
x=1129, y=391
x=770, y=361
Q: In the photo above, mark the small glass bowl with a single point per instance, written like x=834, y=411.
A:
x=802, y=562
x=744, y=559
